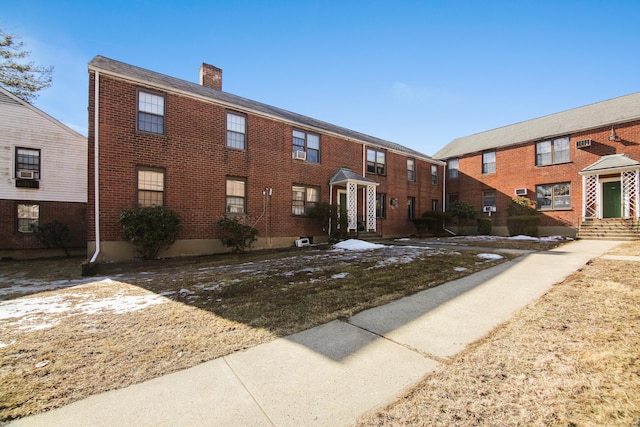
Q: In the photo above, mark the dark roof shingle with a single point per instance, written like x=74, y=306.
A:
x=606, y=113
x=142, y=75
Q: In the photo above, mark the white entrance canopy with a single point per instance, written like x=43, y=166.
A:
x=345, y=177
x=629, y=171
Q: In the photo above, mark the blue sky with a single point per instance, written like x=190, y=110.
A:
x=419, y=73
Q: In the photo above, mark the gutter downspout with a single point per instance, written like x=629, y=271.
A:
x=96, y=165
x=444, y=187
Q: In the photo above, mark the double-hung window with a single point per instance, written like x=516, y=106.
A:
x=553, y=151
x=27, y=163
x=489, y=199
x=411, y=170
x=553, y=196
x=434, y=174
x=236, y=131
x=381, y=205
x=411, y=207
x=236, y=196
x=309, y=143
x=305, y=199
x=28, y=217
x=489, y=162
x=150, y=187
x=452, y=168
x=376, y=162
x=150, y=112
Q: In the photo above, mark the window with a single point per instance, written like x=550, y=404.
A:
x=489, y=198
x=553, y=196
x=304, y=199
x=453, y=168
x=376, y=162
x=236, y=196
x=27, y=163
x=309, y=142
x=150, y=187
x=434, y=174
x=489, y=162
x=434, y=205
x=452, y=198
x=28, y=217
x=150, y=112
x=411, y=207
x=411, y=170
x=236, y=131
x=381, y=205
x=553, y=152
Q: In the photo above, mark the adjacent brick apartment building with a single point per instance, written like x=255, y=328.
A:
x=580, y=165
x=43, y=178
x=207, y=154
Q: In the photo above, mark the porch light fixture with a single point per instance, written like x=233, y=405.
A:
x=613, y=136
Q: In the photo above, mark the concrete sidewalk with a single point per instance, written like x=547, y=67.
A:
x=331, y=374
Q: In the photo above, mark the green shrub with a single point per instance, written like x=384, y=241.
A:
x=431, y=222
x=464, y=212
x=236, y=235
x=54, y=234
x=484, y=226
x=334, y=216
x=523, y=225
x=523, y=218
x=150, y=229
x=521, y=206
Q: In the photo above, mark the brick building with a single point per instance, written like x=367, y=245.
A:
x=207, y=154
x=43, y=178
x=580, y=166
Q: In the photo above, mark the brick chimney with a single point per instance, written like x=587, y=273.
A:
x=211, y=76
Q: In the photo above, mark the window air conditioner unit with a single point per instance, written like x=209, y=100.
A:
x=583, y=143
x=521, y=192
x=489, y=209
x=24, y=174
x=300, y=155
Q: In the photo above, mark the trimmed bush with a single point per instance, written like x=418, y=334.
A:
x=150, y=229
x=523, y=218
x=237, y=236
x=464, y=212
x=431, y=222
x=484, y=226
x=335, y=215
x=54, y=234
x=523, y=225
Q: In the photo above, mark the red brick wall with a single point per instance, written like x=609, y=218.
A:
x=515, y=168
x=73, y=215
x=194, y=155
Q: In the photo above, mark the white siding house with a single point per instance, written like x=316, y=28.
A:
x=43, y=175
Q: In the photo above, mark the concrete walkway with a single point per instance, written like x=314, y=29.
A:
x=331, y=374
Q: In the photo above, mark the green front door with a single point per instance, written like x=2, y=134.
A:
x=611, y=200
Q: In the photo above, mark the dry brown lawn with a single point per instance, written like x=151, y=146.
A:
x=569, y=359
x=63, y=340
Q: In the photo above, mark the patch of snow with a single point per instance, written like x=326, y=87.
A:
x=165, y=293
x=523, y=237
x=340, y=276
x=460, y=269
x=490, y=256
x=186, y=291
x=213, y=287
x=42, y=312
x=357, y=245
x=404, y=239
